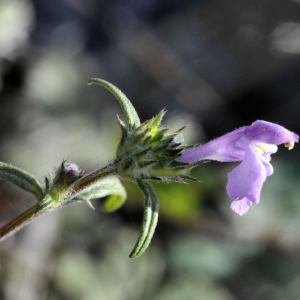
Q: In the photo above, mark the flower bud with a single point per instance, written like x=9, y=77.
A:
x=59, y=185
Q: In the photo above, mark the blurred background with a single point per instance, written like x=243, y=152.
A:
x=214, y=65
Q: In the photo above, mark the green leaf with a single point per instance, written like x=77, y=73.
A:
x=112, y=187
x=131, y=115
x=112, y=203
x=22, y=179
x=150, y=219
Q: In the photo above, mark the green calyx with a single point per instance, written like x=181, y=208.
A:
x=150, y=151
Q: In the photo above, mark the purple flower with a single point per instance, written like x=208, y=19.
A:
x=253, y=145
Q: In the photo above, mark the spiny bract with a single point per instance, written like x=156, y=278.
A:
x=149, y=151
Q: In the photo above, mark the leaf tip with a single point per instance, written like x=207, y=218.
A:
x=91, y=81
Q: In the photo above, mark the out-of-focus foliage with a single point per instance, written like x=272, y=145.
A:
x=16, y=20
x=77, y=273
x=215, y=65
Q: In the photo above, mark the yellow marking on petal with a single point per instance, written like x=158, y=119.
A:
x=258, y=150
x=289, y=145
x=263, y=148
x=267, y=148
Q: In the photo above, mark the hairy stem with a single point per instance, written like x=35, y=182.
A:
x=92, y=178
x=79, y=186
x=18, y=223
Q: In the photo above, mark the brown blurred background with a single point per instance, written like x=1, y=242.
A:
x=215, y=65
